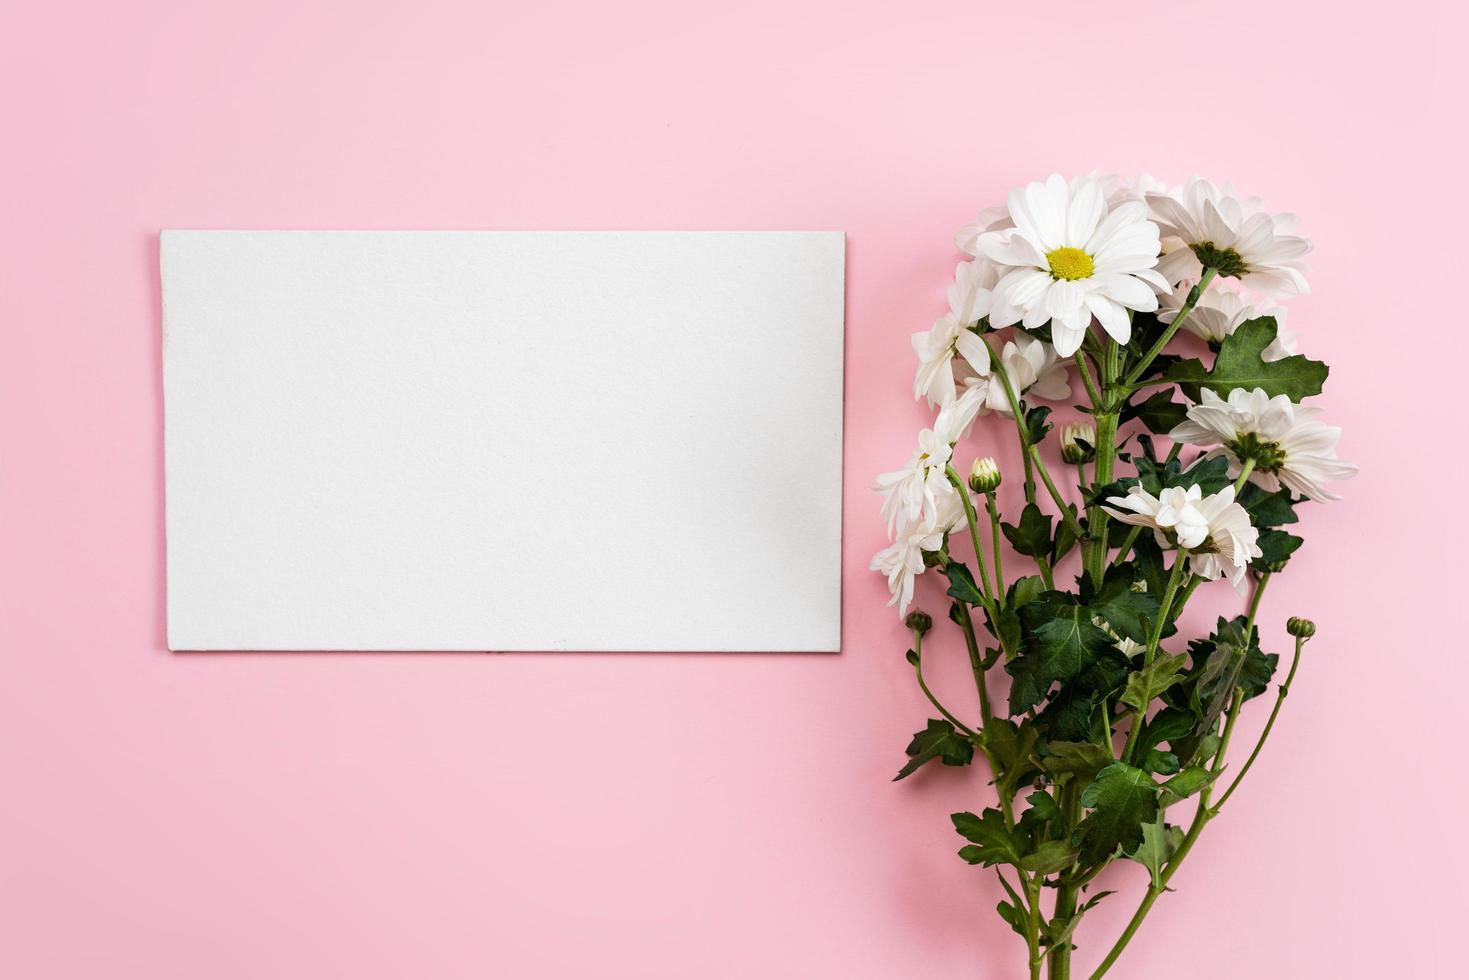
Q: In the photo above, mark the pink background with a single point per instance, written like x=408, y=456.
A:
x=365, y=816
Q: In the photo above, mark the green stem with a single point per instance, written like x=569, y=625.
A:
x=1127, y=543
x=1089, y=381
x=918, y=671
x=1194, y=295
x=1154, y=636
x=1060, y=957
x=976, y=663
x=1061, y=505
x=1280, y=696
x=1245, y=470
x=997, y=364
x=972, y=519
x=995, y=538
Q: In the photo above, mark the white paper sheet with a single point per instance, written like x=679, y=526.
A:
x=503, y=440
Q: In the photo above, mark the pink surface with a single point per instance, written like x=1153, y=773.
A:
x=373, y=816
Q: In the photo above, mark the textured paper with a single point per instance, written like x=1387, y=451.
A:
x=503, y=440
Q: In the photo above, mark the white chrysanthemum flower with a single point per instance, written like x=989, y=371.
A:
x=990, y=219
x=1175, y=510
x=1215, y=531
x=969, y=301
x=902, y=561
x=1033, y=368
x=1220, y=311
x=1237, y=236
x=911, y=494
x=1074, y=258
x=1289, y=446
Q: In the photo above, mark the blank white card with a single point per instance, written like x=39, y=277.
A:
x=503, y=440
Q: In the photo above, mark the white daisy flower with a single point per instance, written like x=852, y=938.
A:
x=1033, y=368
x=911, y=495
x=1289, y=446
x=1073, y=258
x=969, y=301
x=1220, y=311
x=1175, y=511
x=902, y=561
x=1214, y=531
x=1237, y=236
x=990, y=219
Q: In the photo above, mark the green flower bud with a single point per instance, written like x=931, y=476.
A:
x=919, y=621
x=984, y=475
x=1078, y=442
x=1301, y=627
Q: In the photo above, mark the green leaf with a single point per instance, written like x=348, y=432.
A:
x=1049, y=858
x=1014, y=915
x=1153, y=680
x=1060, y=641
x=1185, y=784
x=1267, y=509
x=1163, y=763
x=1036, y=426
x=1130, y=614
x=1065, y=537
x=1240, y=365
x=1160, y=413
x=991, y=842
x=1159, y=843
x=1032, y=536
x=1024, y=590
x=1275, y=546
x=1122, y=798
x=940, y=740
x=1010, y=745
x=962, y=585
x=1043, y=810
x=1085, y=759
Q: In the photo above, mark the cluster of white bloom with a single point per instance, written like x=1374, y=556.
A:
x=1067, y=264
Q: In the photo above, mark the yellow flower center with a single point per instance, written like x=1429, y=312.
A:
x=1069, y=263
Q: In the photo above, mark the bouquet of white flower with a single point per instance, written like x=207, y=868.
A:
x=1111, y=721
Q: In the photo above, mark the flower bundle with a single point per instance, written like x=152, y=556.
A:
x=1157, y=306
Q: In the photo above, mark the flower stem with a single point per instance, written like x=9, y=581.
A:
x=1280, y=696
x=1246, y=468
x=997, y=364
x=1061, y=505
x=1154, y=636
x=1194, y=295
x=918, y=671
x=973, y=520
x=995, y=538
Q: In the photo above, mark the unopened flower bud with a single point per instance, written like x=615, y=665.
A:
x=1078, y=442
x=1300, y=627
x=984, y=476
x=919, y=621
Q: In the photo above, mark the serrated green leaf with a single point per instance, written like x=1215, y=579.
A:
x=1036, y=426
x=1267, y=509
x=940, y=740
x=1032, y=536
x=1083, y=759
x=991, y=842
x=1130, y=614
x=1122, y=798
x=1049, y=858
x=1240, y=365
x=1152, y=680
x=1159, y=842
x=1275, y=546
x=1159, y=413
x=1185, y=784
x=1014, y=915
x=1024, y=590
x=1060, y=641
x=962, y=585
